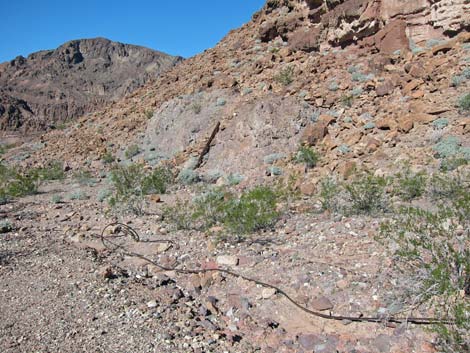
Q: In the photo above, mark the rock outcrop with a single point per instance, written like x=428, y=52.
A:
x=53, y=86
x=387, y=25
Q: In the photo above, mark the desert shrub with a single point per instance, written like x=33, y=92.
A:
x=5, y=226
x=333, y=86
x=180, y=215
x=448, y=186
x=54, y=171
x=103, y=194
x=286, y=76
x=188, y=176
x=149, y=114
x=273, y=158
x=464, y=102
x=56, y=199
x=432, y=251
x=235, y=179
x=452, y=163
x=308, y=156
x=410, y=185
x=196, y=108
x=84, y=178
x=79, y=195
x=108, y=158
x=157, y=181
x=366, y=194
x=347, y=100
x=23, y=184
x=254, y=210
x=131, y=183
x=329, y=189
x=447, y=147
x=132, y=151
x=210, y=207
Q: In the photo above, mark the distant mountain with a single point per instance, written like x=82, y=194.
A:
x=53, y=86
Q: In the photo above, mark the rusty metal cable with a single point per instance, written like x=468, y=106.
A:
x=127, y=230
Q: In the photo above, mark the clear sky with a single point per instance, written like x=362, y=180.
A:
x=178, y=27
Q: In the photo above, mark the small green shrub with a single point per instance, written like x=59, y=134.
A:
x=464, y=102
x=103, y=194
x=196, y=108
x=274, y=157
x=132, y=151
x=235, y=179
x=347, y=100
x=56, y=199
x=367, y=194
x=448, y=186
x=447, y=147
x=78, y=195
x=188, y=176
x=84, y=178
x=308, y=156
x=433, y=254
x=5, y=226
x=410, y=185
x=254, y=210
x=286, y=76
x=54, y=171
x=149, y=114
x=130, y=185
x=180, y=215
x=329, y=189
x=157, y=181
x=108, y=158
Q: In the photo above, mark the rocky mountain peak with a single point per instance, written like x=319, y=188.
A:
x=74, y=79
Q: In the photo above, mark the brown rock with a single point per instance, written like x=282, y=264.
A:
x=387, y=123
x=392, y=37
x=307, y=189
x=305, y=39
x=385, y=88
x=405, y=123
x=321, y=304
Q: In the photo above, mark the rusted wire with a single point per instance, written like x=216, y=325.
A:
x=127, y=230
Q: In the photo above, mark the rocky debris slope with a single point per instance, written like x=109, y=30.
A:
x=357, y=105
x=79, y=77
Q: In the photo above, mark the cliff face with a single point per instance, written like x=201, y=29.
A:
x=79, y=77
x=387, y=25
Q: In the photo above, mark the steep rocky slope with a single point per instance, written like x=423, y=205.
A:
x=53, y=86
x=270, y=90
x=369, y=85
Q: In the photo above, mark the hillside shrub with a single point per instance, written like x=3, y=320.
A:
x=432, y=251
x=308, y=156
x=132, y=151
x=286, y=76
x=410, y=185
x=464, y=102
x=366, y=194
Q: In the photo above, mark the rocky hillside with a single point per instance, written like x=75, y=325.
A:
x=300, y=70
x=51, y=87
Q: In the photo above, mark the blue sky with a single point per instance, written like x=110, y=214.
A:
x=179, y=27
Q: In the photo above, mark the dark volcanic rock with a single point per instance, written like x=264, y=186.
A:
x=78, y=77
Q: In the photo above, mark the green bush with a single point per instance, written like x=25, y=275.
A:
x=157, y=181
x=54, y=171
x=432, y=251
x=329, y=189
x=410, y=185
x=108, y=158
x=308, y=156
x=5, y=226
x=78, y=195
x=464, y=102
x=56, y=199
x=254, y=210
x=132, y=151
x=84, y=178
x=188, y=176
x=131, y=183
x=367, y=194
x=286, y=76
x=448, y=186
